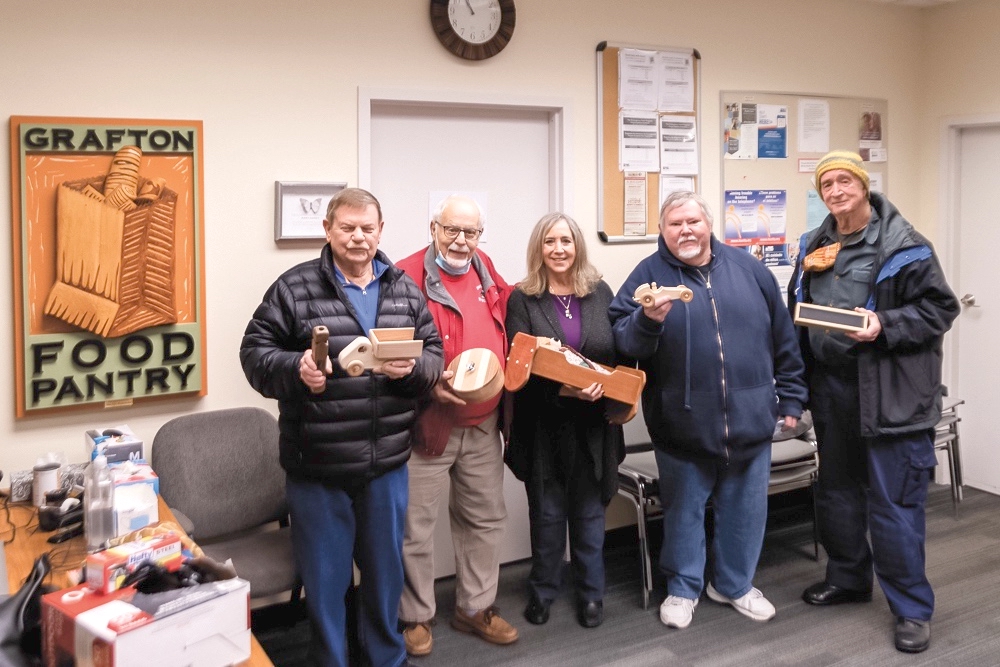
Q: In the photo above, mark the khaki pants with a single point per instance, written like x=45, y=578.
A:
x=473, y=461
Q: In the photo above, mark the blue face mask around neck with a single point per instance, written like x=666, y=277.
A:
x=449, y=269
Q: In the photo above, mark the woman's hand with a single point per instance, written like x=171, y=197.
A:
x=591, y=394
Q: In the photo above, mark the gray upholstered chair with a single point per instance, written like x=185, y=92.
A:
x=220, y=470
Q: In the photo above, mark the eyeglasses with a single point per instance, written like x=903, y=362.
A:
x=453, y=232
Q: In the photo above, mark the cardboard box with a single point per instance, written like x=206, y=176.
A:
x=135, y=507
x=107, y=569
x=125, y=447
x=128, y=473
x=136, y=489
x=204, y=626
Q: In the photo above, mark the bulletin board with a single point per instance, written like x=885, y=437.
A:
x=611, y=182
x=813, y=126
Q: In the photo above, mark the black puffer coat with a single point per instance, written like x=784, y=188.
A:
x=359, y=427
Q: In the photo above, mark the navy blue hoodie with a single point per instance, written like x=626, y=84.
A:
x=720, y=369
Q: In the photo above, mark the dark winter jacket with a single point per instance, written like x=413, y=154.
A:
x=544, y=423
x=899, y=374
x=720, y=369
x=359, y=427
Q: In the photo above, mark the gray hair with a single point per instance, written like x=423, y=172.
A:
x=677, y=199
x=443, y=204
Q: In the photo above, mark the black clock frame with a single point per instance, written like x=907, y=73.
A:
x=463, y=49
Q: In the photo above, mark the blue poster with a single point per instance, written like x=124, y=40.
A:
x=772, y=131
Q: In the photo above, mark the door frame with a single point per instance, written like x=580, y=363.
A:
x=949, y=231
x=557, y=108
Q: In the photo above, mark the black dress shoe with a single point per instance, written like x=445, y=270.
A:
x=537, y=611
x=912, y=636
x=826, y=594
x=591, y=614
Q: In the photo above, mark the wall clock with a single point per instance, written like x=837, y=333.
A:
x=473, y=29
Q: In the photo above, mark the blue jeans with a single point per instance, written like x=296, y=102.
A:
x=551, y=505
x=738, y=492
x=333, y=526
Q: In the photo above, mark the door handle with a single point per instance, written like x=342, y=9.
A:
x=969, y=300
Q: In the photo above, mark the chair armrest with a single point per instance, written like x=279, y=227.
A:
x=184, y=522
x=638, y=447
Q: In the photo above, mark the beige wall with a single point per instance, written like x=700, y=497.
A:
x=960, y=61
x=276, y=86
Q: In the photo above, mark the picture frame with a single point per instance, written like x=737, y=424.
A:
x=300, y=207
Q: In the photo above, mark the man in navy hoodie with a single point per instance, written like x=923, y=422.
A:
x=720, y=370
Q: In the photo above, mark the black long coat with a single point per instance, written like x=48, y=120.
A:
x=543, y=422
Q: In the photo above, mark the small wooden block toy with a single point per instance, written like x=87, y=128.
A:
x=321, y=349
x=647, y=292
x=477, y=377
x=362, y=354
x=546, y=358
x=824, y=317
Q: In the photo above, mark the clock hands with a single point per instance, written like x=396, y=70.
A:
x=469, y=5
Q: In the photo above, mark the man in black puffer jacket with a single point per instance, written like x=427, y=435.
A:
x=345, y=440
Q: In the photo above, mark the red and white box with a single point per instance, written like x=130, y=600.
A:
x=203, y=626
x=107, y=569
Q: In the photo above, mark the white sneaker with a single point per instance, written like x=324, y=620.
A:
x=676, y=612
x=752, y=605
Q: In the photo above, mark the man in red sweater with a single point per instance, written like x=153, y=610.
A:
x=457, y=441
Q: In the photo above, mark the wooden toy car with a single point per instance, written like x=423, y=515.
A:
x=363, y=354
x=646, y=293
x=547, y=358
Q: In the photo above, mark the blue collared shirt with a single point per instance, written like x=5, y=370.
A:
x=364, y=299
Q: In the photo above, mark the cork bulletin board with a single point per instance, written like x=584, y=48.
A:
x=612, y=186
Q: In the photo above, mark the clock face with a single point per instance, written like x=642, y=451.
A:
x=473, y=29
x=474, y=21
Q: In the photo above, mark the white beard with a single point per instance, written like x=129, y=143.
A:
x=689, y=252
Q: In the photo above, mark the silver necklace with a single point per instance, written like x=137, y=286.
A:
x=565, y=304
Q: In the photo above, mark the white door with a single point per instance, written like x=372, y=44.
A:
x=974, y=273
x=512, y=155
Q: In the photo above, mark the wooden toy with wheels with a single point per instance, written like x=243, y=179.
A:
x=547, y=358
x=363, y=354
x=647, y=292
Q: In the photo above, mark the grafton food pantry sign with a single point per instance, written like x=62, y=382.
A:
x=108, y=261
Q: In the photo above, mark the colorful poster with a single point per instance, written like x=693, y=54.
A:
x=108, y=261
x=755, y=217
x=772, y=131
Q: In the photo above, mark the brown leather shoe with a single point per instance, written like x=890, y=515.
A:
x=487, y=624
x=418, y=638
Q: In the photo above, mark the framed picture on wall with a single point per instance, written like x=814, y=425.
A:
x=299, y=209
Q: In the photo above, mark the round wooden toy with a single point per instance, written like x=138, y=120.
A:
x=477, y=375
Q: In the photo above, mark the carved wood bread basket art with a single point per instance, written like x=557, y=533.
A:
x=115, y=251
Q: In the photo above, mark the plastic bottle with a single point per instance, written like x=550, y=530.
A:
x=99, y=504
